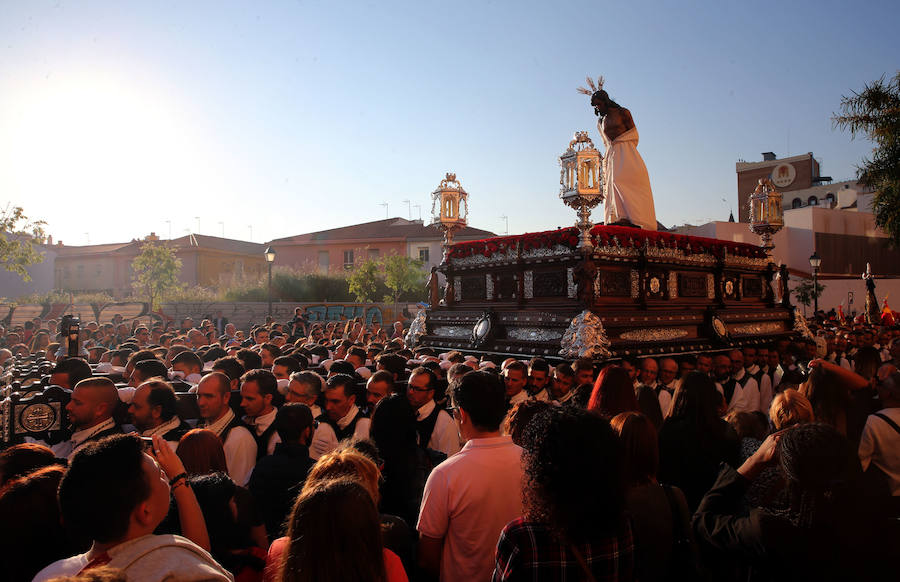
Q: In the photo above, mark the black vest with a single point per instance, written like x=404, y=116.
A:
x=235, y=422
x=347, y=432
x=176, y=433
x=262, y=441
x=425, y=427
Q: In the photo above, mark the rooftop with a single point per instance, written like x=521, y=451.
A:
x=390, y=228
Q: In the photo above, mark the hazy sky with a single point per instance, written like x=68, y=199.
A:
x=290, y=117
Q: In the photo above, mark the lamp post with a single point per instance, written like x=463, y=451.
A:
x=270, y=258
x=814, y=261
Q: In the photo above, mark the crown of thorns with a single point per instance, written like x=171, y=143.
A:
x=593, y=88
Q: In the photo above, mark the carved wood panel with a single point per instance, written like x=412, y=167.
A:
x=474, y=288
x=614, y=283
x=691, y=285
x=549, y=283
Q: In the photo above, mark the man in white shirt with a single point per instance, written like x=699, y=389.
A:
x=258, y=388
x=434, y=427
x=90, y=411
x=749, y=387
x=341, y=411
x=726, y=384
x=648, y=373
x=538, y=379
x=471, y=496
x=306, y=388
x=763, y=382
x=665, y=387
x=213, y=397
x=515, y=377
x=152, y=411
x=880, y=442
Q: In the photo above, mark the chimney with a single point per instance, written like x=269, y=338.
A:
x=152, y=237
x=769, y=156
x=49, y=240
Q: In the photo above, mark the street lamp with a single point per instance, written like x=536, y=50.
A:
x=270, y=258
x=814, y=261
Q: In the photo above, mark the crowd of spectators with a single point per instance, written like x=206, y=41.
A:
x=305, y=451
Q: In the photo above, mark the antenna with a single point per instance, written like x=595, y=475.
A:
x=197, y=218
x=385, y=204
x=408, y=208
x=419, y=206
x=222, y=224
x=169, y=222
x=250, y=226
x=505, y=218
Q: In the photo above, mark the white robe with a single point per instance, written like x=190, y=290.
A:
x=626, y=185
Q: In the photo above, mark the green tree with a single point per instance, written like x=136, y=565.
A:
x=806, y=293
x=18, y=236
x=401, y=274
x=875, y=113
x=364, y=281
x=156, y=271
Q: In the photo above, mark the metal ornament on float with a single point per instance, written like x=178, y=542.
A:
x=449, y=209
x=766, y=213
x=416, y=329
x=581, y=184
x=585, y=338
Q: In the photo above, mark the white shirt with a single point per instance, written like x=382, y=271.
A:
x=162, y=429
x=240, y=448
x=542, y=396
x=261, y=424
x=444, y=437
x=361, y=430
x=764, y=388
x=522, y=396
x=67, y=449
x=749, y=393
x=880, y=445
x=665, y=397
x=737, y=400
x=468, y=499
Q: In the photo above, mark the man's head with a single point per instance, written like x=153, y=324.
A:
x=668, y=370
x=356, y=356
x=213, y=395
x=294, y=423
x=563, y=380
x=515, y=376
x=749, y=356
x=231, y=367
x=114, y=491
x=258, y=388
x=480, y=402
x=721, y=367
x=380, y=385
x=762, y=355
x=304, y=388
x=584, y=371
x=142, y=334
x=284, y=366
x=93, y=401
x=146, y=369
x=392, y=363
x=649, y=371
x=421, y=386
x=889, y=390
x=538, y=373
x=340, y=396
x=704, y=363
x=772, y=358
x=737, y=361
x=267, y=353
x=187, y=363
x=69, y=371
x=153, y=404
x=249, y=359
x=686, y=365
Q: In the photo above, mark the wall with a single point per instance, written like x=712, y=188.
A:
x=306, y=256
x=12, y=285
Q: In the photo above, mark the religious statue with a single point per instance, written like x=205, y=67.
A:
x=873, y=314
x=627, y=194
x=433, y=286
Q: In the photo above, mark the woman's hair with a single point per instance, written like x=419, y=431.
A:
x=334, y=533
x=520, y=416
x=696, y=402
x=345, y=463
x=748, y=424
x=866, y=362
x=19, y=460
x=640, y=447
x=790, y=408
x=613, y=393
x=202, y=452
x=214, y=493
x=828, y=395
x=573, y=479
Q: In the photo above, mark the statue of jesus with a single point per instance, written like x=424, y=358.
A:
x=626, y=189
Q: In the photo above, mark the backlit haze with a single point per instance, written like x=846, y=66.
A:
x=290, y=117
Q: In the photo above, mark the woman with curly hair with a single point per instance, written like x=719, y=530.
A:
x=574, y=526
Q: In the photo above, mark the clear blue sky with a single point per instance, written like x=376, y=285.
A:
x=116, y=117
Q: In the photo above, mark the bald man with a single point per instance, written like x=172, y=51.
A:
x=90, y=411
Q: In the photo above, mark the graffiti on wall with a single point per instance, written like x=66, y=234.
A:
x=336, y=312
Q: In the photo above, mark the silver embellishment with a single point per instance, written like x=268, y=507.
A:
x=571, y=288
x=457, y=289
x=653, y=334
x=452, y=331
x=585, y=338
x=554, y=251
x=416, y=329
x=800, y=325
x=489, y=286
x=757, y=328
x=710, y=286
x=529, y=284
x=673, y=286
x=534, y=334
x=635, y=284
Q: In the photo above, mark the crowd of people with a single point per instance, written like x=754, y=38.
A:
x=303, y=451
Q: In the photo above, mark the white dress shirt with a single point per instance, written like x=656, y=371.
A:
x=240, y=448
x=67, y=449
x=445, y=437
x=162, y=429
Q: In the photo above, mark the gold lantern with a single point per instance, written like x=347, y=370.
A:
x=449, y=209
x=581, y=183
x=766, y=213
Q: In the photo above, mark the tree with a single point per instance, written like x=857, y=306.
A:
x=806, y=293
x=364, y=281
x=401, y=273
x=875, y=113
x=18, y=236
x=156, y=271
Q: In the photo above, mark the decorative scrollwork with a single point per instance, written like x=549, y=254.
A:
x=653, y=334
x=585, y=338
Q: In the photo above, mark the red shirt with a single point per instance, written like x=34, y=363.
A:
x=392, y=564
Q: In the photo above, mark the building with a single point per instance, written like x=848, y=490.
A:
x=341, y=248
x=833, y=220
x=12, y=284
x=207, y=261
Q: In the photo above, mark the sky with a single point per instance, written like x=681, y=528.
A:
x=261, y=120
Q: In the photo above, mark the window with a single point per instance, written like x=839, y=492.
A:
x=348, y=260
x=813, y=201
x=797, y=203
x=323, y=261
x=373, y=254
x=423, y=254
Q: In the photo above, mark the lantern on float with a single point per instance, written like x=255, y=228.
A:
x=766, y=213
x=449, y=209
x=581, y=183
